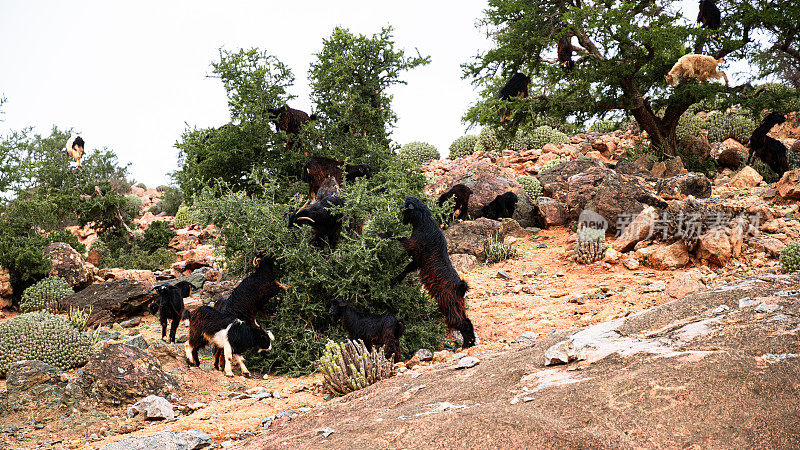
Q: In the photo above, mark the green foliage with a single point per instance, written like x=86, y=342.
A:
x=604, y=126
x=496, y=250
x=722, y=126
x=531, y=186
x=359, y=269
x=349, y=366
x=794, y=160
x=157, y=236
x=545, y=135
x=487, y=141
x=186, y=216
x=418, y=153
x=553, y=163
x=133, y=256
x=171, y=199
x=765, y=171
x=43, y=336
x=462, y=146
x=688, y=125
x=46, y=294
x=79, y=317
x=790, y=257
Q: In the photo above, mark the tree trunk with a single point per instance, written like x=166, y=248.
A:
x=660, y=130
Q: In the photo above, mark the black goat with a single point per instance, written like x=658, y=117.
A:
x=170, y=305
x=502, y=206
x=709, y=15
x=353, y=171
x=289, y=119
x=538, y=219
x=769, y=150
x=462, y=194
x=327, y=225
x=427, y=247
x=517, y=86
x=318, y=169
x=232, y=335
x=564, y=51
x=375, y=330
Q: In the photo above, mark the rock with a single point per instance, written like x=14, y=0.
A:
x=528, y=336
x=200, y=256
x=765, y=307
x=715, y=247
x=659, y=170
x=563, y=352
x=655, y=286
x=679, y=186
x=686, y=283
x=632, y=168
x=167, y=440
x=141, y=276
x=789, y=185
x=130, y=323
x=646, y=162
x=612, y=256
x=467, y=362
x=745, y=178
x=553, y=211
x=35, y=389
x=639, y=229
x=486, y=180
x=630, y=264
x=325, y=432
x=424, y=354
x=118, y=374
x=771, y=246
x=469, y=237
x=69, y=265
x=664, y=257
x=154, y=408
x=136, y=341
x=183, y=242
x=463, y=262
x=673, y=167
x=696, y=146
x=112, y=300
x=745, y=302
x=732, y=155
x=6, y=292
x=720, y=309
x=504, y=275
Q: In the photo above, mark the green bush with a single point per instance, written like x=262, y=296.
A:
x=521, y=141
x=137, y=258
x=688, y=125
x=794, y=160
x=46, y=294
x=487, y=141
x=531, y=186
x=157, y=236
x=604, y=126
x=133, y=202
x=171, y=199
x=186, y=216
x=43, y=336
x=462, y=146
x=545, y=135
x=790, y=257
x=496, y=250
x=418, y=153
x=765, y=171
x=722, y=126
x=553, y=163
x=359, y=269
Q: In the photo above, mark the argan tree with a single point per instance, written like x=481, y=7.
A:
x=622, y=52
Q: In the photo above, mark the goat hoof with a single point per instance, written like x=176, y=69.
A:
x=229, y=374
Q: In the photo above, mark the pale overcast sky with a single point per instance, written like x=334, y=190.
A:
x=130, y=75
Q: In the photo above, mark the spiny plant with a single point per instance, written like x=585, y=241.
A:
x=487, y=141
x=545, y=135
x=553, y=163
x=531, y=186
x=590, y=245
x=46, y=294
x=496, y=250
x=349, y=366
x=790, y=257
x=462, y=146
x=604, y=126
x=418, y=152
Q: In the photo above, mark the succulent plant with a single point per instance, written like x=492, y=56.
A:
x=794, y=160
x=487, y=141
x=185, y=217
x=765, y=171
x=590, y=245
x=604, y=126
x=722, y=126
x=46, y=294
x=418, y=152
x=688, y=125
x=790, y=257
x=79, y=317
x=496, y=250
x=553, y=163
x=545, y=135
x=463, y=146
x=531, y=186
x=349, y=366
x=521, y=141
x=43, y=336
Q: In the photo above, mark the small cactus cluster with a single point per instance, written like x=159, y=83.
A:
x=604, y=126
x=463, y=146
x=79, y=317
x=46, y=294
x=418, y=152
x=349, y=366
x=531, y=186
x=590, y=245
x=722, y=126
x=688, y=125
x=545, y=135
x=43, y=336
x=794, y=160
x=553, y=163
x=184, y=217
x=790, y=257
x=496, y=250
x=487, y=141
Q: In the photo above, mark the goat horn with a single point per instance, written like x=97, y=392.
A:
x=281, y=285
x=305, y=204
x=305, y=218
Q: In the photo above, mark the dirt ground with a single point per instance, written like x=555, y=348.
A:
x=546, y=292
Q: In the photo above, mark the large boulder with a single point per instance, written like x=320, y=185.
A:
x=789, y=185
x=665, y=257
x=69, y=265
x=35, y=389
x=469, y=237
x=119, y=374
x=112, y=300
x=746, y=178
x=142, y=276
x=669, y=168
x=554, y=212
x=686, y=283
x=715, y=247
x=638, y=230
x=487, y=181
x=6, y=291
x=732, y=154
x=697, y=147
x=679, y=186
x=167, y=440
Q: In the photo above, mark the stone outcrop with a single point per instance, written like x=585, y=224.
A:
x=69, y=265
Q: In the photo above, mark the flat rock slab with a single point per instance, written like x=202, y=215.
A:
x=672, y=376
x=112, y=300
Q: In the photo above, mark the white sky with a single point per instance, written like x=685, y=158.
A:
x=130, y=76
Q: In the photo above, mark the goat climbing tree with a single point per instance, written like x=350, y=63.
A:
x=623, y=50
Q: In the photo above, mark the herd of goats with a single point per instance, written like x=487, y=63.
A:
x=230, y=326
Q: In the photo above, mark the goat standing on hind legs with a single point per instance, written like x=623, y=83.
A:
x=769, y=150
x=427, y=247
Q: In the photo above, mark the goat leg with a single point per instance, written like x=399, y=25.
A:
x=410, y=267
x=173, y=329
